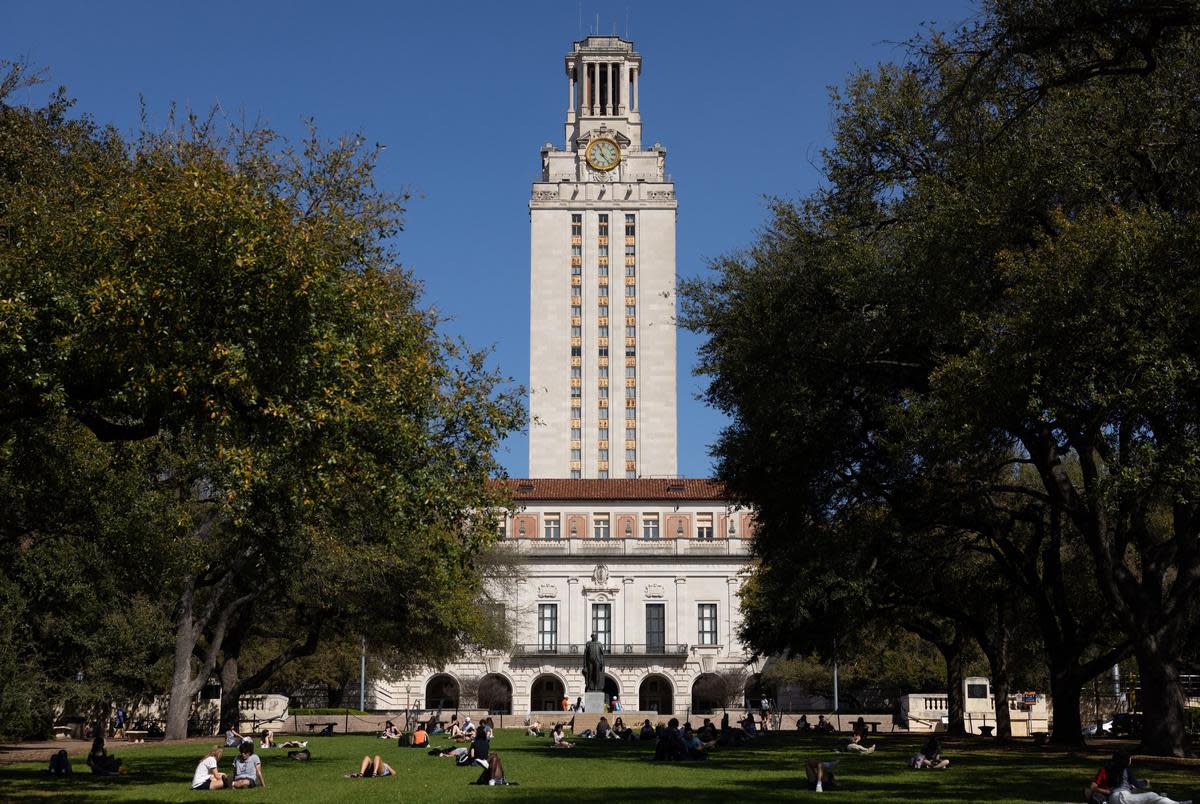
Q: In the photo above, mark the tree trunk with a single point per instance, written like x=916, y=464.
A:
x=1162, y=701
x=952, y=653
x=1065, y=685
x=183, y=685
x=1000, y=690
x=231, y=691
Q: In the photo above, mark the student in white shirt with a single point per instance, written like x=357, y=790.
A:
x=207, y=777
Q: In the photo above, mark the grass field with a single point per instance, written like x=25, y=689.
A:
x=767, y=770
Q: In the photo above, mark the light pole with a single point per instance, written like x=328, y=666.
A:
x=362, y=678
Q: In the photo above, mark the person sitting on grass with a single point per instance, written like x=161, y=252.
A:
x=390, y=732
x=603, y=730
x=247, y=768
x=931, y=755
x=707, y=734
x=232, y=738
x=420, y=737
x=267, y=739
x=371, y=768
x=823, y=725
x=621, y=731
x=647, y=732
x=556, y=738
x=802, y=724
x=535, y=728
x=1116, y=784
x=670, y=746
x=819, y=774
x=695, y=750
x=749, y=726
x=856, y=744
x=493, y=771
x=207, y=776
x=100, y=761
x=456, y=732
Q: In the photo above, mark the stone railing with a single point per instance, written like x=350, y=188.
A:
x=626, y=547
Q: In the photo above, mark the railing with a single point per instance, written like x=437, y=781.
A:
x=659, y=649
x=628, y=546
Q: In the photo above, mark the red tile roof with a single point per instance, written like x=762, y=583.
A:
x=685, y=488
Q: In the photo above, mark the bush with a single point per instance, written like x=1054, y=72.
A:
x=327, y=712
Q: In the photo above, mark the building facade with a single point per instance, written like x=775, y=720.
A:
x=605, y=538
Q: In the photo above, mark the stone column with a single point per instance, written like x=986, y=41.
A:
x=626, y=587
x=572, y=590
x=623, y=106
x=571, y=89
x=731, y=592
x=637, y=72
x=680, y=601
x=612, y=87
x=585, y=88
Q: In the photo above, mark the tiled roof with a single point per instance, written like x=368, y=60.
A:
x=687, y=488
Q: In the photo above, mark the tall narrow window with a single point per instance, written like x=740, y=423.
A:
x=704, y=526
x=602, y=623
x=548, y=626
x=656, y=627
x=649, y=525
x=600, y=527
x=707, y=618
x=552, y=527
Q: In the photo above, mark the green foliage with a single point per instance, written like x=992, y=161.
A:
x=211, y=323
x=979, y=339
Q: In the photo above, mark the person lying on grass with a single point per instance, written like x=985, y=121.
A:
x=372, y=767
x=1116, y=784
x=247, y=768
x=856, y=745
x=207, y=777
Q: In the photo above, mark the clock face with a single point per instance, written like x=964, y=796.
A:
x=603, y=154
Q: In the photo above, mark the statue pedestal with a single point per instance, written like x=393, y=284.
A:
x=594, y=701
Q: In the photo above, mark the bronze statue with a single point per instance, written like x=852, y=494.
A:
x=593, y=665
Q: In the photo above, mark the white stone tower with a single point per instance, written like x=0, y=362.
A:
x=602, y=302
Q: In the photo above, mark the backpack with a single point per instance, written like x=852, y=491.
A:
x=300, y=756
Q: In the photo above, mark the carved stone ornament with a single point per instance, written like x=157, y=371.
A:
x=655, y=590
x=600, y=575
x=545, y=195
x=660, y=195
x=547, y=590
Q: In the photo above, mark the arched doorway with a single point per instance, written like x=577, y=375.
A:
x=656, y=694
x=708, y=694
x=546, y=694
x=495, y=694
x=441, y=692
x=612, y=689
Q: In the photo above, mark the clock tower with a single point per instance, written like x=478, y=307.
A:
x=602, y=265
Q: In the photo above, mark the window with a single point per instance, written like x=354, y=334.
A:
x=576, y=433
x=603, y=456
x=576, y=250
x=576, y=372
x=575, y=412
x=576, y=474
x=602, y=623
x=604, y=351
x=552, y=528
x=603, y=332
x=576, y=351
x=576, y=392
x=649, y=521
x=603, y=435
x=604, y=291
x=630, y=309
x=707, y=616
x=603, y=372
x=603, y=251
x=630, y=414
x=548, y=626
x=576, y=311
x=656, y=627
x=603, y=311
x=602, y=474
x=630, y=250
x=631, y=331
x=501, y=528
x=575, y=456
x=631, y=392
x=576, y=270
x=576, y=332
x=704, y=526
x=631, y=372
x=630, y=270
x=630, y=474
x=602, y=270
x=494, y=613
x=630, y=290
x=630, y=433
x=631, y=351
x=600, y=527
x=604, y=393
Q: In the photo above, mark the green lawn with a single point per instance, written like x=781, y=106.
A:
x=769, y=769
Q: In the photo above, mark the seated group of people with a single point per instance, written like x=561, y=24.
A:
x=477, y=753
x=822, y=725
x=677, y=744
x=247, y=770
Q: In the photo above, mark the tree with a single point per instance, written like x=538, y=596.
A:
x=230, y=308
x=998, y=277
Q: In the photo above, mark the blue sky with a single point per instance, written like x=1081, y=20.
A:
x=464, y=94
